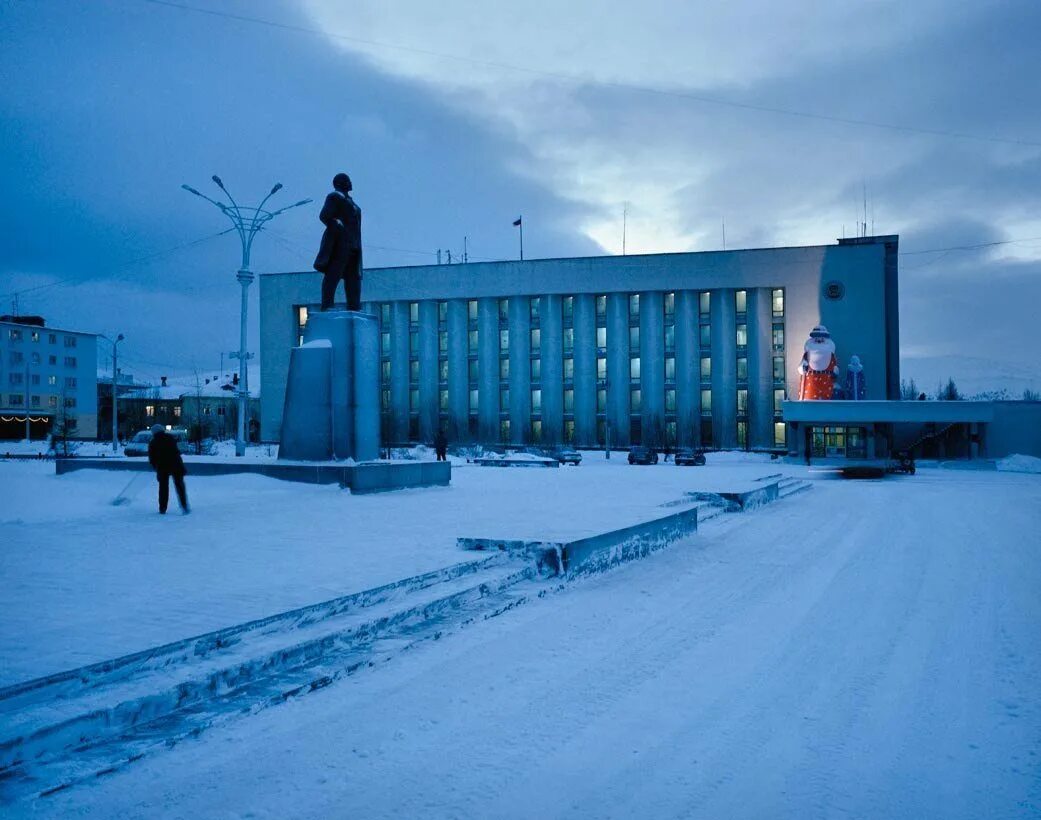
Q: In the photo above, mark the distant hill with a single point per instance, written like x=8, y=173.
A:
x=986, y=378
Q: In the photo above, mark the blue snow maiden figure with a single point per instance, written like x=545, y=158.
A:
x=855, y=388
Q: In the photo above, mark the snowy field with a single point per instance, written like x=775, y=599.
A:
x=866, y=650
x=84, y=581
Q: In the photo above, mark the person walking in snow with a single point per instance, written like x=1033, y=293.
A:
x=166, y=460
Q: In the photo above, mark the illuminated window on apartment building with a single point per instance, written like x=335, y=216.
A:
x=536, y=370
x=442, y=400
x=670, y=401
x=471, y=371
x=504, y=430
x=778, y=368
x=742, y=402
x=385, y=314
x=778, y=337
x=569, y=400
x=670, y=338
x=504, y=368
x=706, y=402
x=533, y=309
x=569, y=431
x=780, y=437
x=536, y=340
x=442, y=370
x=634, y=307
x=704, y=303
x=634, y=368
x=536, y=400
x=601, y=368
x=504, y=341
x=569, y=340
x=635, y=400
x=413, y=370
x=569, y=369
x=742, y=368
x=442, y=312
x=471, y=342
x=504, y=310
x=471, y=310
x=52, y=380
x=670, y=368
x=442, y=341
x=413, y=312
x=669, y=305
x=634, y=339
x=301, y=317
x=601, y=308
x=742, y=435
x=385, y=344
x=473, y=399
x=778, y=398
x=706, y=368
x=601, y=338
x=740, y=301
x=742, y=335
x=778, y=302
x=536, y=430
x=149, y=410
x=601, y=401
x=567, y=307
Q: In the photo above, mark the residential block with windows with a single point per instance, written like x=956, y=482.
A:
x=677, y=349
x=46, y=374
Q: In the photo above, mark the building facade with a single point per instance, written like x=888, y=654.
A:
x=49, y=376
x=686, y=349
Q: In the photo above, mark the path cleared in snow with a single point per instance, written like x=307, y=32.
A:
x=866, y=650
x=84, y=581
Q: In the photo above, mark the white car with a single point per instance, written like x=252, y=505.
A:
x=138, y=445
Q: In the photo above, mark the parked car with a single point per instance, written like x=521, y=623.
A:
x=566, y=455
x=689, y=457
x=642, y=455
x=138, y=445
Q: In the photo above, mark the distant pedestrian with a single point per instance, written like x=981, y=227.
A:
x=166, y=460
x=441, y=445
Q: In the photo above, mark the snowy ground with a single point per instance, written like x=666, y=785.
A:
x=84, y=581
x=868, y=650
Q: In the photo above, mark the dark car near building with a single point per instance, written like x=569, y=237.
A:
x=689, y=457
x=566, y=455
x=642, y=455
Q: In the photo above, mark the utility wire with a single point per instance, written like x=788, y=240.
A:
x=580, y=80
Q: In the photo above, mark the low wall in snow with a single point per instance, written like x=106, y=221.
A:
x=597, y=552
x=367, y=477
x=742, y=500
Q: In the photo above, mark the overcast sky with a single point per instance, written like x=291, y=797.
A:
x=454, y=117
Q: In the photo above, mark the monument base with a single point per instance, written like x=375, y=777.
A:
x=332, y=392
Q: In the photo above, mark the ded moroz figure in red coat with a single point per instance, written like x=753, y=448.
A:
x=819, y=367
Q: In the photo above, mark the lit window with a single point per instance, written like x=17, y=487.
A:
x=442, y=311
x=601, y=307
x=601, y=337
x=742, y=402
x=634, y=305
x=778, y=368
x=536, y=401
x=149, y=410
x=669, y=303
x=742, y=335
x=634, y=339
x=670, y=368
x=778, y=301
x=569, y=339
x=504, y=310
x=35, y=335
x=601, y=401
x=741, y=301
x=471, y=310
x=504, y=369
x=742, y=434
x=704, y=302
x=634, y=368
x=536, y=370
x=634, y=401
x=569, y=401
x=385, y=344
x=569, y=369
x=385, y=371
x=301, y=317
x=778, y=399
x=601, y=368
x=670, y=337
x=442, y=370
x=504, y=341
x=471, y=339
x=385, y=314
x=442, y=400
x=413, y=312
x=504, y=430
x=706, y=336
x=504, y=398
x=742, y=368
x=778, y=337
x=534, y=309
x=471, y=368
x=442, y=341
x=670, y=401
x=779, y=434
x=706, y=368
x=413, y=370
x=177, y=411
x=536, y=339
x=52, y=380
x=568, y=306
x=473, y=400
x=706, y=402
x=536, y=430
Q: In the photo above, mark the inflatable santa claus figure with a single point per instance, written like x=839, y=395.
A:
x=818, y=368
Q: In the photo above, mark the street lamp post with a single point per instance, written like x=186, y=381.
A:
x=115, y=400
x=248, y=222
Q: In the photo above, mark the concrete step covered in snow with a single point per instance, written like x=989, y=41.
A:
x=790, y=486
x=49, y=729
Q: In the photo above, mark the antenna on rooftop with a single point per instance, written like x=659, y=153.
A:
x=625, y=215
x=724, y=233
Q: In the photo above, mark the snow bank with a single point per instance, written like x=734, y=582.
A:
x=1020, y=464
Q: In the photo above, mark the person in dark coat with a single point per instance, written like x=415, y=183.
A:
x=339, y=255
x=441, y=445
x=166, y=460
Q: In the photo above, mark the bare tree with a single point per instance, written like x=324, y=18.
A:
x=908, y=390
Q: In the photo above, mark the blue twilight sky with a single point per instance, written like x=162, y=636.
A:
x=453, y=117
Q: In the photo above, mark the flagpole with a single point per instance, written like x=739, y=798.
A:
x=522, y=240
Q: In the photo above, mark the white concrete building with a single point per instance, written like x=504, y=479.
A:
x=682, y=348
x=49, y=375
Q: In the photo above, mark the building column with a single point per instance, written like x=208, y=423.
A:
x=584, y=322
x=399, y=328
x=458, y=387
x=760, y=368
x=724, y=369
x=688, y=384
x=618, y=368
x=488, y=370
x=520, y=369
x=427, y=370
x=552, y=370
x=652, y=368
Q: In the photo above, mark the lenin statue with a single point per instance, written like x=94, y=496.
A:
x=339, y=255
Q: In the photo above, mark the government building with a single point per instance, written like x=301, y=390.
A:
x=677, y=349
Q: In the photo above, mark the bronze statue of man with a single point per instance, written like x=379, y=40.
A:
x=339, y=255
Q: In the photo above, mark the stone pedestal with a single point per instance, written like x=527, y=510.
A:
x=332, y=393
